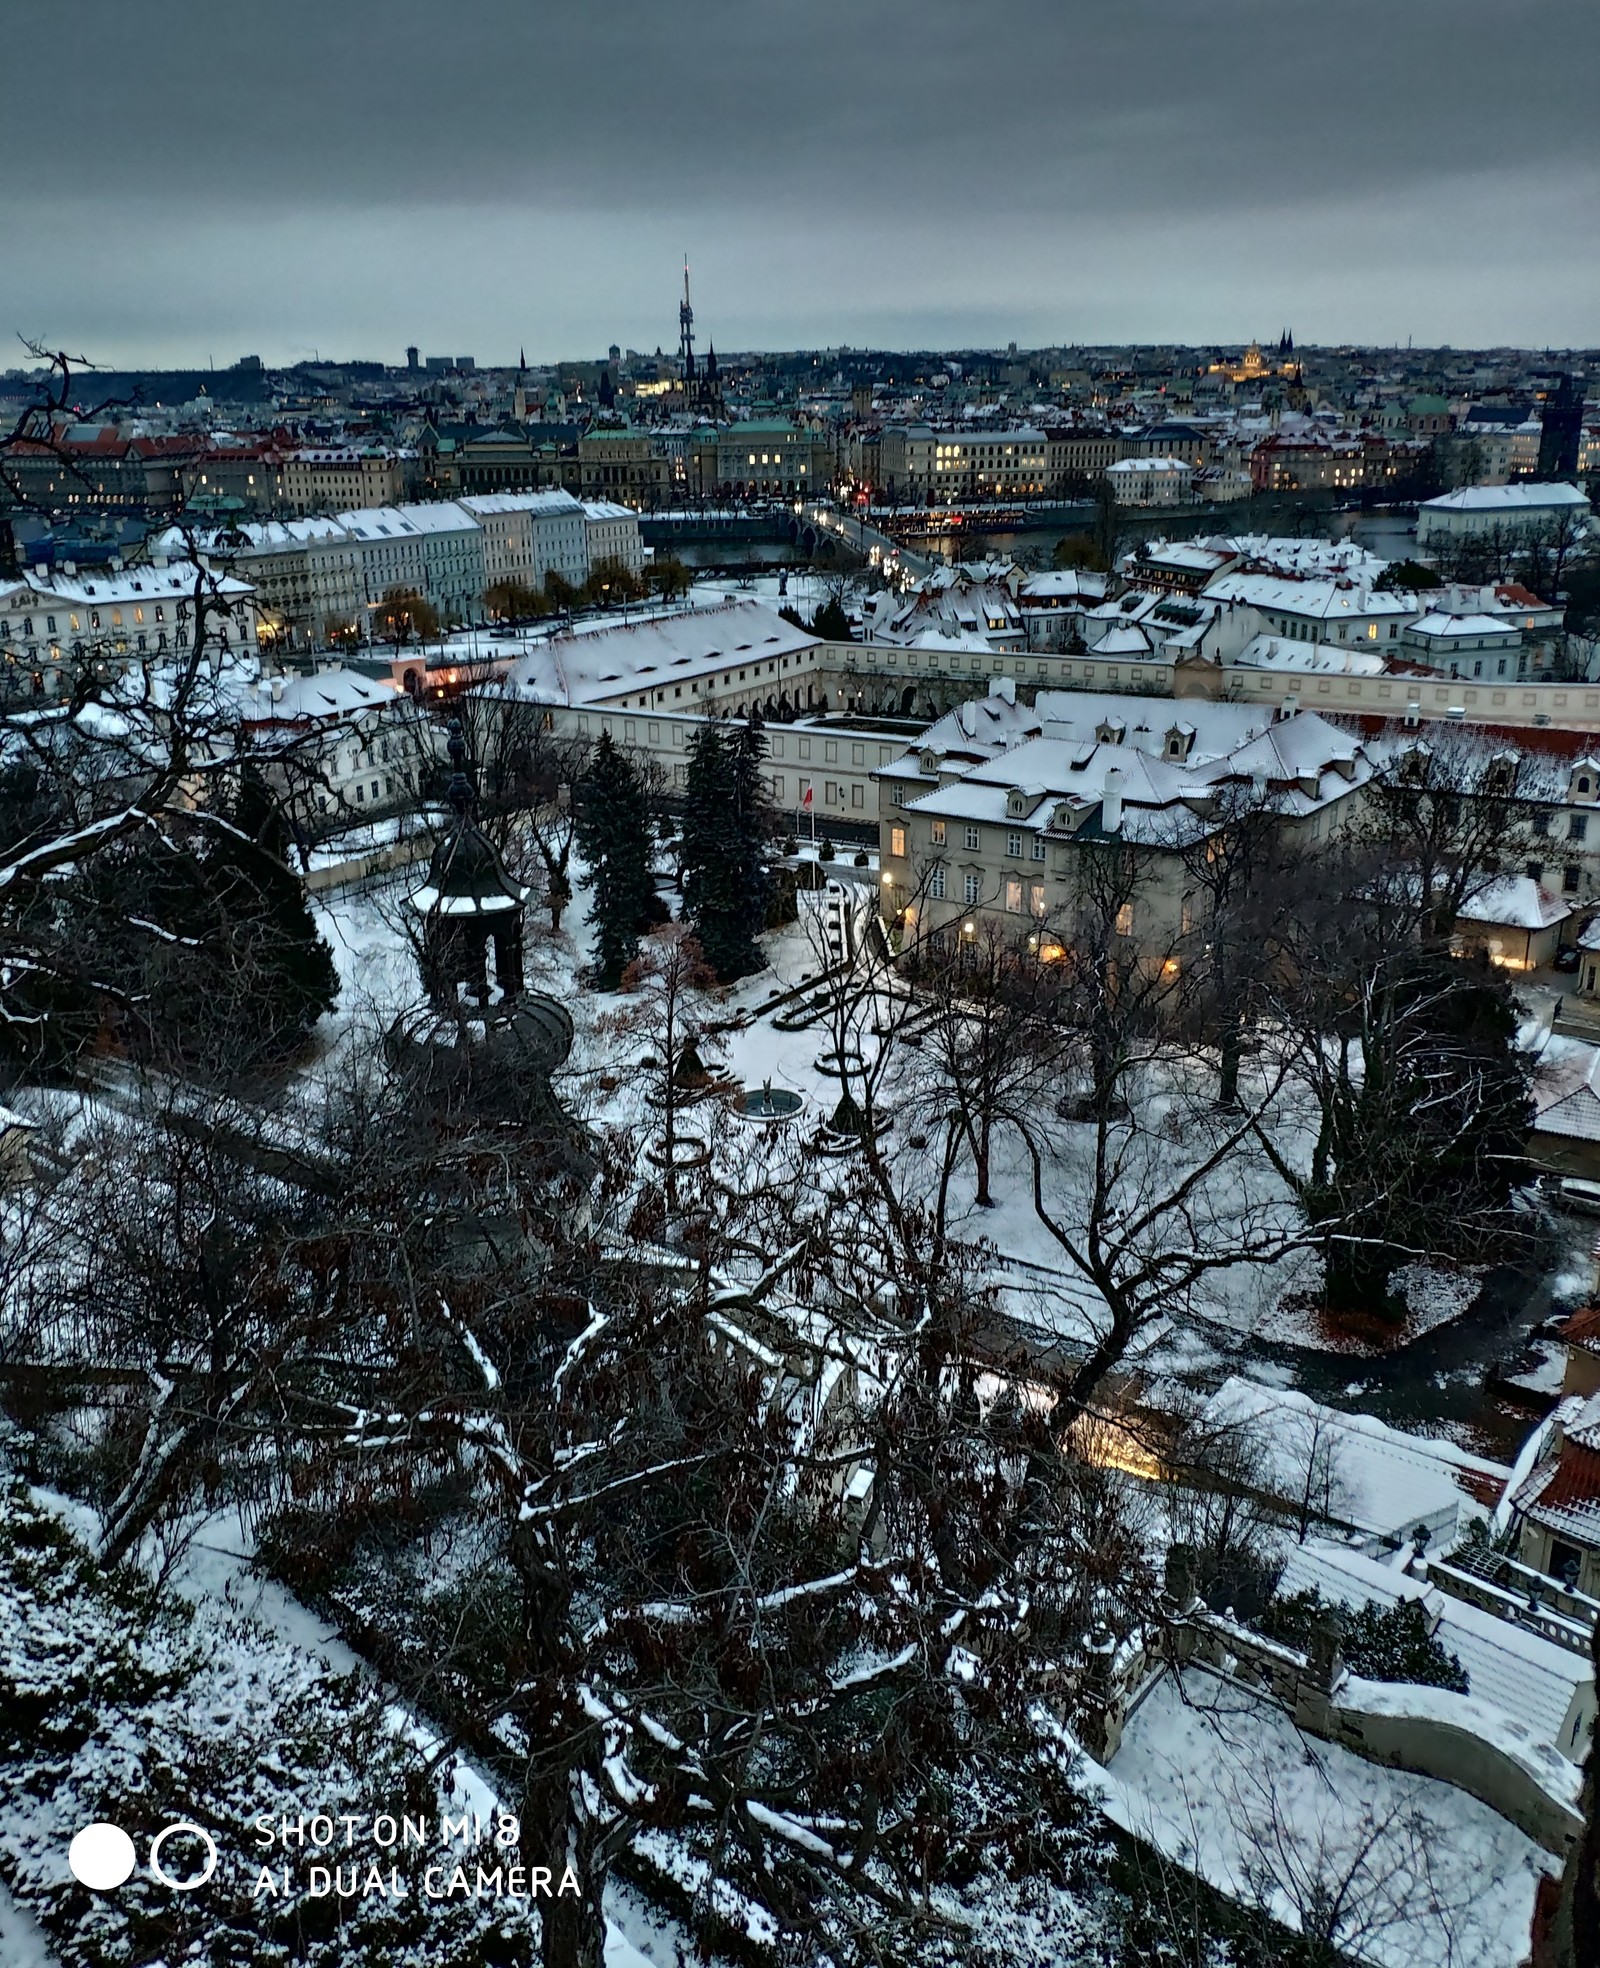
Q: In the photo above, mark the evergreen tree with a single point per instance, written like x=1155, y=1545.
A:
x=726, y=881
x=831, y=623
x=200, y=947
x=614, y=838
x=258, y=897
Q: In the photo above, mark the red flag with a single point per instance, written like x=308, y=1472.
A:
x=806, y=801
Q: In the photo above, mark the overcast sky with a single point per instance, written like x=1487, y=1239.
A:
x=184, y=181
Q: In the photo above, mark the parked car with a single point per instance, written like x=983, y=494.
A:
x=1567, y=957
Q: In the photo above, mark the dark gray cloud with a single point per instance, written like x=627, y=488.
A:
x=354, y=174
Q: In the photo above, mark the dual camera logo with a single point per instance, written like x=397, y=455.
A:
x=102, y=1857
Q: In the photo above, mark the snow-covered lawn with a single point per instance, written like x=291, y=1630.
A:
x=1219, y=1778
x=22, y=1941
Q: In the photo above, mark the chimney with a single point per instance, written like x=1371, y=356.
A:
x=1111, y=800
x=1004, y=687
x=277, y=690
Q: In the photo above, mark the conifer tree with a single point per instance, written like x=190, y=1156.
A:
x=255, y=886
x=614, y=838
x=726, y=881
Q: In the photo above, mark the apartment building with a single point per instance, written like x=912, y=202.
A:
x=980, y=823
x=434, y=548
x=329, y=478
x=611, y=533
x=989, y=464
x=1510, y=512
x=337, y=745
x=528, y=535
x=55, y=619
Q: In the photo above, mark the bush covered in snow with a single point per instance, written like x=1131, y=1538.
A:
x=1380, y=1643
x=115, y=1706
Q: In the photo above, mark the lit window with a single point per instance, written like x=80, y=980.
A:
x=1124, y=923
x=897, y=841
x=1013, y=896
x=936, y=833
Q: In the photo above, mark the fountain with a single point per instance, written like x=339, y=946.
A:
x=769, y=1104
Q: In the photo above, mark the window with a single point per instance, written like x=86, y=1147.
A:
x=973, y=888
x=1578, y=827
x=1541, y=824
x=1013, y=896
x=897, y=842
x=936, y=833
x=1036, y=847
x=974, y=840
x=1124, y=924
x=1570, y=876
x=1534, y=870
x=830, y=793
x=856, y=798
x=1014, y=846
x=1036, y=899
x=936, y=882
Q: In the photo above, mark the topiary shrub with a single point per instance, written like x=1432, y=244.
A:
x=827, y=852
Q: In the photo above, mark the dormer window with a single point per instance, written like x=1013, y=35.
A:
x=1583, y=784
x=1016, y=805
x=929, y=762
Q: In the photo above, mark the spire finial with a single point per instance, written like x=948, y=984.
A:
x=459, y=792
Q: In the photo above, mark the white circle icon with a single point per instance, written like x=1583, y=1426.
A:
x=193, y=1831
x=102, y=1857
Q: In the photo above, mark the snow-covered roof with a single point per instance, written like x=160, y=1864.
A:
x=1149, y=467
x=593, y=666
x=106, y=587
x=1270, y=652
x=1061, y=584
x=1563, y=1490
x=373, y=523
x=1326, y=600
x=1380, y=1481
x=1286, y=554
x=1522, y=497
x=603, y=509
x=1083, y=737
x=325, y=695
x=1566, y=1090
x=549, y=504
x=1440, y=627
x=1127, y=640
x=1516, y=902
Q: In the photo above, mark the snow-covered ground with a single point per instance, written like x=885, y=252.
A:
x=1220, y=1778
x=22, y=1941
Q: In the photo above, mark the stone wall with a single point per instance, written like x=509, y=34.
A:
x=1432, y=1731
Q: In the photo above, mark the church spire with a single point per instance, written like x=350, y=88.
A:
x=686, y=329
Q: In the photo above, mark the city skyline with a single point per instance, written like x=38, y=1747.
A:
x=534, y=180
